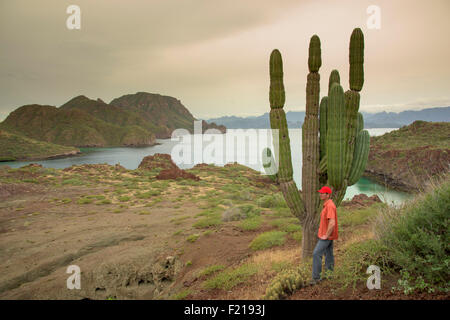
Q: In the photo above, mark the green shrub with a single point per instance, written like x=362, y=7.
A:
x=124, y=198
x=209, y=221
x=210, y=270
x=418, y=236
x=84, y=201
x=252, y=223
x=357, y=258
x=272, y=201
x=193, y=237
x=268, y=239
x=228, y=279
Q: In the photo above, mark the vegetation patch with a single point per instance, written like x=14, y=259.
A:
x=193, y=237
x=210, y=270
x=252, y=223
x=228, y=279
x=418, y=238
x=268, y=240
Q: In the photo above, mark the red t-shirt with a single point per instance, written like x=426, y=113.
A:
x=328, y=212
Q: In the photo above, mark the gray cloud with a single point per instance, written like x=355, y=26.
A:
x=213, y=54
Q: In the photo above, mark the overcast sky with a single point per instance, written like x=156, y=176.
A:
x=213, y=55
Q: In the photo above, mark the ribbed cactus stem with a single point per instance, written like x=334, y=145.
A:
x=334, y=78
x=360, y=123
x=356, y=60
x=276, y=95
x=278, y=124
x=339, y=195
x=323, y=126
x=351, y=109
x=336, y=133
x=315, y=55
x=310, y=130
x=360, y=156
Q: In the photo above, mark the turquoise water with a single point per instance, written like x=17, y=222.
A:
x=131, y=157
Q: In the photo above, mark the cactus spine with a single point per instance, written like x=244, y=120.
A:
x=339, y=155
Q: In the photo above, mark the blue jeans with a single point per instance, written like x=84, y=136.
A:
x=322, y=247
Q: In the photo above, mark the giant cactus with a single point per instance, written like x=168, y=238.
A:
x=334, y=145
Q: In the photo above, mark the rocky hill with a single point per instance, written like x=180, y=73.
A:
x=131, y=120
x=408, y=157
x=163, y=112
x=14, y=147
x=73, y=127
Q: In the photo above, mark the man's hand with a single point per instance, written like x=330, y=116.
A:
x=324, y=237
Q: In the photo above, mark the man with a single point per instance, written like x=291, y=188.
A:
x=328, y=231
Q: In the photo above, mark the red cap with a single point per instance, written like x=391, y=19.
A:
x=325, y=190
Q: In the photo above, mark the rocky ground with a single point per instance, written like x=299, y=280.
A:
x=156, y=232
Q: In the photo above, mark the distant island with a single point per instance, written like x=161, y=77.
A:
x=131, y=120
x=371, y=120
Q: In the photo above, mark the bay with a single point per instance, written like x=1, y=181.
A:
x=248, y=154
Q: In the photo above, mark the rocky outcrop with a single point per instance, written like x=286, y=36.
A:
x=406, y=159
x=361, y=201
x=168, y=169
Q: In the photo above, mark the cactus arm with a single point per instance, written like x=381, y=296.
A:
x=336, y=132
x=278, y=124
x=323, y=126
x=361, y=154
x=351, y=108
x=356, y=60
x=334, y=78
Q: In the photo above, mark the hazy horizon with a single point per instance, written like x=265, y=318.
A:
x=213, y=55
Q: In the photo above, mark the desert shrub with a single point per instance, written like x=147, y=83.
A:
x=228, y=279
x=418, y=236
x=252, y=223
x=268, y=239
x=240, y=212
x=209, y=221
x=193, y=237
x=272, y=201
x=357, y=258
x=210, y=270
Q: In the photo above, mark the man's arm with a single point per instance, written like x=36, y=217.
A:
x=331, y=224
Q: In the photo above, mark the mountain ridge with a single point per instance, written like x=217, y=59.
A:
x=371, y=120
x=130, y=120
